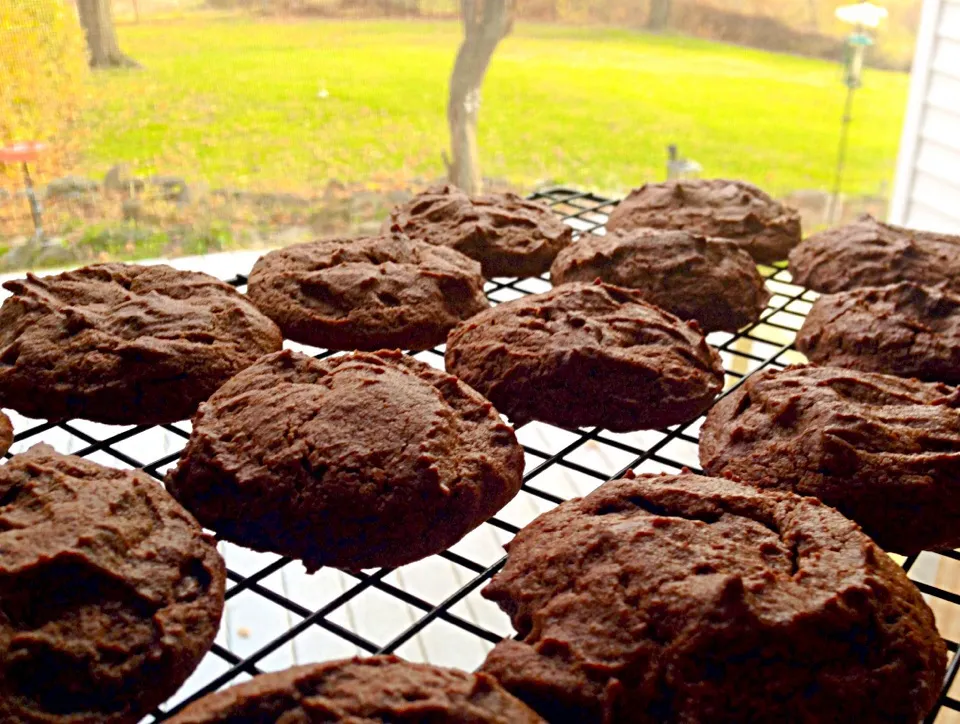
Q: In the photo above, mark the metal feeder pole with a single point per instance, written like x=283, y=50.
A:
x=862, y=16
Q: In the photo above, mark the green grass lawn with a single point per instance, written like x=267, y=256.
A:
x=236, y=101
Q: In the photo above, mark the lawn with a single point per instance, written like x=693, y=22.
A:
x=291, y=105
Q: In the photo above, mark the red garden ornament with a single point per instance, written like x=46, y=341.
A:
x=24, y=153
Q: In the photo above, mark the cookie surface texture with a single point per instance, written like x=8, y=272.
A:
x=883, y=450
x=587, y=354
x=368, y=293
x=869, y=253
x=110, y=593
x=762, y=226
x=124, y=343
x=681, y=598
x=509, y=235
x=902, y=329
x=367, y=459
x=376, y=690
x=6, y=433
x=709, y=280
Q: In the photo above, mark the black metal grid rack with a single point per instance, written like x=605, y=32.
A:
x=768, y=343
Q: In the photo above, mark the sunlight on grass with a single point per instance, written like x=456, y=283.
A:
x=291, y=105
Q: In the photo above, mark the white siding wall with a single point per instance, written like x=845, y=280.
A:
x=927, y=189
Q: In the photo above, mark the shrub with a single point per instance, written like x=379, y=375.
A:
x=43, y=65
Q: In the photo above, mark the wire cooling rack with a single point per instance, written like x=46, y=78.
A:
x=277, y=615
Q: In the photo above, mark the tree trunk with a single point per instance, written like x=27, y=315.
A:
x=814, y=15
x=659, y=17
x=485, y=24
x=96, y=17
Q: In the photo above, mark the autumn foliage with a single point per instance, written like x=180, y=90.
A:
x=43, y=67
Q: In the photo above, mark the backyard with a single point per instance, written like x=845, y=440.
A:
x=291, y=105
x=268, y=130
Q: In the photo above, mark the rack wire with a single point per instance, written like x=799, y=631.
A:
x=277, y=616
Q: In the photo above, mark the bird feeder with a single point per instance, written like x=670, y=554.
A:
x=856, y=46
x=861, y=16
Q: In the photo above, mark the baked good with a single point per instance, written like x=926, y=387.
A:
x=362, y=691
x=510, y=236
x=709, y=280
x=883, y=450
x=587, y=354
x=6, y=433
x=681, y=598
x=900, y=329
x=869, y=253
x=762, y=226
x=124, y=343
x=110, y=593
x=367, y=293
x=368, y=459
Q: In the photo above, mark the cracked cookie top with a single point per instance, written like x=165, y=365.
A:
x=110, y=593
x=368, y=459
x=710, y=280
x=869, y=253
x=509, y=235
x=677, y=598
x=587, y=354
x=762, y=226
x=883, y=450
x=373, y=690
x=368, y=293
x=902, y=329
x=124, y=343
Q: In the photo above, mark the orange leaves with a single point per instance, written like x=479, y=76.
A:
x=43, y=67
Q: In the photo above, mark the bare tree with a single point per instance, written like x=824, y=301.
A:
x=814, y=11
x=659, y=17
x=96, y=17
x=485, y=24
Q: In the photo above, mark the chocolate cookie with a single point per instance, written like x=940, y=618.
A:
x=587, y=354
x=901, y=329
x=680, y=598
x=761, y=226
x=123, y=343
x=372, y=690
x=869, y=253
x=884, y=451
x=712, y=281
x=110, y=593
x=509, y=235
x=6, y=433
x=367, y=293
x=354, y=461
